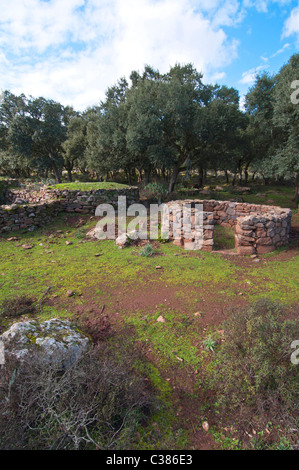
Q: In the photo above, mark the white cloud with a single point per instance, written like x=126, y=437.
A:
x=167, y=32
x=281, y=50
x=35, y=24
x=260, y=5
x=72, y=50
x=218, y=76
x=292, y=24
x=249, y=76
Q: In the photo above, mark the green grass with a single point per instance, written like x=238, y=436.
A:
x=277, y=281
x=177, y=344
x=224, y=238
x=270, y=195
x=167, y=434
x=78, y=186
x=51, y=263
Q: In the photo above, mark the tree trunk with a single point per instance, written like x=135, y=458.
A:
x=246, y=176
x=128, y=176
x=174, y=175
x=200, y=177
x=226, y=176
x=147, y=174
x=57, y=172
x=296, y=197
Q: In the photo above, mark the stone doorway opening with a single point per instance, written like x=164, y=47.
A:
x=224, y=238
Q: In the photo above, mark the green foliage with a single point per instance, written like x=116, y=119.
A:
x=253, y=367
x=156, y=126
x=155, y=191
x=273, y=129
x=209, y=344
x=75, y=144
x=80, y=233
x=147, y=251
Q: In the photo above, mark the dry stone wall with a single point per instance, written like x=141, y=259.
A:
x=258, y=228
x=190, y=235
x=31, y=209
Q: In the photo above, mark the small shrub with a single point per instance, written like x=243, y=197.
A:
x=209, y=344
x=253, y=368
x=155, y=191
x=98, y=403
x=147, y=251
x=81, y=233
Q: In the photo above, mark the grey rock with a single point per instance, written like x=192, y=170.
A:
x=55, y=341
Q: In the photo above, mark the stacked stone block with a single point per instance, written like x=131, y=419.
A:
x=187, y=229
x=258, y=228
x=259, y=234
x=18, y=217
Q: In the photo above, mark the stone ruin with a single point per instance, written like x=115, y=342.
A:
x=27, y=209
x=258, y=228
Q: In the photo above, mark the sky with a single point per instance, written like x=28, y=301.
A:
x=71, y=51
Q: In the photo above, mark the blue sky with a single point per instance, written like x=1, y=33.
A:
x=73, y=50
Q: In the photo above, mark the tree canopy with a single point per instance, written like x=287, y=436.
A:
x=156, y=125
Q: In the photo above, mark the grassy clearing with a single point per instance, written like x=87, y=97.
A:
x=260, y=194
x=175, y=342
x=78, y=186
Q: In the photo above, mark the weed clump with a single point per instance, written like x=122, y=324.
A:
x=155, y=191
x=147, y=251
x=80, y=233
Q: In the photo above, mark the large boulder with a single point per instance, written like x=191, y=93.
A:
x=55, y=341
